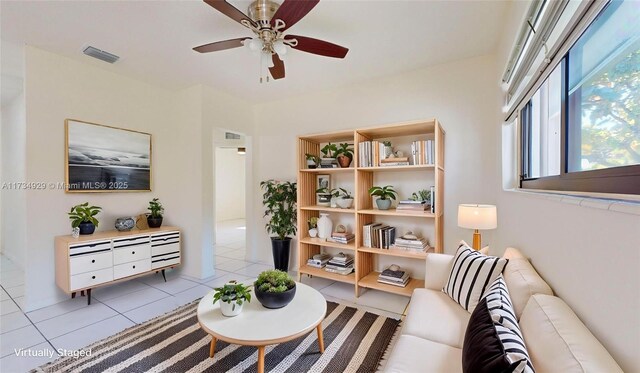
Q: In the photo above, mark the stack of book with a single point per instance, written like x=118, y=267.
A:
x=396, y=278
x=328, y=163
x=423, y=152
x=341, y=264
x=378, y=235
x=395, y=161
x=319, y=260
x=408, y=205
x=416, y=244
x=343, y=238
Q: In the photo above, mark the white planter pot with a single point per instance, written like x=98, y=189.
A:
x=231, y=309
x=313, y=232
x=345, y=203
x=334, y=202
x=325, y=226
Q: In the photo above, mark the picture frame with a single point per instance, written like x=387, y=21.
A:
x=100, y=158
x=323, y=181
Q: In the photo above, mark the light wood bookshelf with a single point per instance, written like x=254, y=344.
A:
x=365, y=275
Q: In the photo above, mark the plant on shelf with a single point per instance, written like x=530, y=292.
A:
x=154, y=218
x=279, y=200
x=344, y=155
x=324, y=196
x=388, y=150
x=313, y=226
x=345, y=199
x=421, y=195
x=329, y=150
x=274, y=288
x=313, y=161
x=232, y=297
x=385, y=194
x=83, y=217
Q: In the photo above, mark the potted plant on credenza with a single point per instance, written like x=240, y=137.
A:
x=154, y=218
x=279, y=200
x=83, y=217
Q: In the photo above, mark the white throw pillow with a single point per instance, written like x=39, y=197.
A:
x=471, y=275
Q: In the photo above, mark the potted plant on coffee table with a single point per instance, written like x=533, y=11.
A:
x=345, y=200
x=385, y=194
x=344, y=154
x=232, y=297
x=279, y=200
x=154, y=219
x=83, y=217
x=274, y=288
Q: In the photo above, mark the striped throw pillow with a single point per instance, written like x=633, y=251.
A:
x=471, y=275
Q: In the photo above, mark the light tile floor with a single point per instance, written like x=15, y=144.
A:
x=72, y=324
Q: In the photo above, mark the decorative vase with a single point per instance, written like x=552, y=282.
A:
x=344, y=161
x=280, y=250
x=231, y=309
x=313, y=232
x=387, y=151
x=275, y=300
x=383, y=204
x=125, y=224
x=345, y=203
x=325, y=226
x=87, y=228
x=323, y=199
x=154, y=222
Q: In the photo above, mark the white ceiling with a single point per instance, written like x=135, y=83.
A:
x=154, y=40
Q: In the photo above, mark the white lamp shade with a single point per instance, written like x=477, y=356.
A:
x=477, y=216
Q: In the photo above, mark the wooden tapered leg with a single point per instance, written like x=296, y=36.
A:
x=261, y=359
x=73, y=295
x=320, y=339
x=212, y=348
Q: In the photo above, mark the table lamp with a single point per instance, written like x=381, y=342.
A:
x=477, y=217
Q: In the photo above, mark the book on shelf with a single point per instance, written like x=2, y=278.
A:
x=376, y=235
x=319, y=260
x=341, y=264
x=406, y=207
x=396, y=277
x=423, y=152
x=343, y=238
x=343, y=272
x=432, y=200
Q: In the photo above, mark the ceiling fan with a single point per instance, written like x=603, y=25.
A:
x=269, y=20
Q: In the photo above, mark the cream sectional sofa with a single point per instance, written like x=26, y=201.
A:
x=433, y=331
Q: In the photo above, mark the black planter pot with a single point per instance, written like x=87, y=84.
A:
x=154, y=222
x=280, y=250
x=87, y=228
x=275, y=300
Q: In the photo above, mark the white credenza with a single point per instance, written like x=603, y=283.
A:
x=104, y=258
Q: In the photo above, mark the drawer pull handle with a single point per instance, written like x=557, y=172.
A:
x=93, y=277
x=133, y=253
x=134, y=267
x=93, y=261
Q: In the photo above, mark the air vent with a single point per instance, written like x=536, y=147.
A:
x=231, y=136
x=100, y=54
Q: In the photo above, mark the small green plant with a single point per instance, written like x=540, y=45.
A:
x=274, y=281
x=386, y=143
x=421, y=195
x=313, y=222
x=232, y=291
x=279, y=200
x=345, y=150
x=344, y=194
x=385, y=192
x=83, y=213
x=333, y=192
x=329, y=151
x=156, y=208
x=313, y=157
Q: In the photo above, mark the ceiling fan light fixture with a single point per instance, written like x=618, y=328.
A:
x=280, y=47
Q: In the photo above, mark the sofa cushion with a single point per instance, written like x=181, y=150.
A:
x=491, y=347
x=413, y=354
x=558, y=341
x=434, y=316
x=523, y=281
x=470, y=276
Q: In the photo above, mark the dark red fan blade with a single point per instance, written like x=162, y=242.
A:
x=229, y=10
x=277, y=71
x=321, y=47
x=291, y=11
x=220, y=45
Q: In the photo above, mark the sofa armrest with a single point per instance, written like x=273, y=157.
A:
x=437, y=271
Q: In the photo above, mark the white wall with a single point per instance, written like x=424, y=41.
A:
x=230, y=184
x=455, y=93
x=589, y=256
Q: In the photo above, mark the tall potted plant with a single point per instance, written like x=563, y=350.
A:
x=154, y=218
x=279, y=200
x=83, y=217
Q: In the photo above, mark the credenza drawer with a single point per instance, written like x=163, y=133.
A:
x=130, y=241
x=132, y=268
x=131, y=254
x=165, y=260
x=90, y=262
x=90, y=279
x=89, y=248
x=165, y=249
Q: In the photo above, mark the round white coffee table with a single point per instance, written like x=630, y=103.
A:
x=259, y=326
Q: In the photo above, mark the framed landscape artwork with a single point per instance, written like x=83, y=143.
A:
x=106, y=159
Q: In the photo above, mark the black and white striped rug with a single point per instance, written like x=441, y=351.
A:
x=355, y=341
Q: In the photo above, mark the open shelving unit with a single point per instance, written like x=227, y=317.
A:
x=363, y=211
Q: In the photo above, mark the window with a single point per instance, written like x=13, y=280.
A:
x=581, y=130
